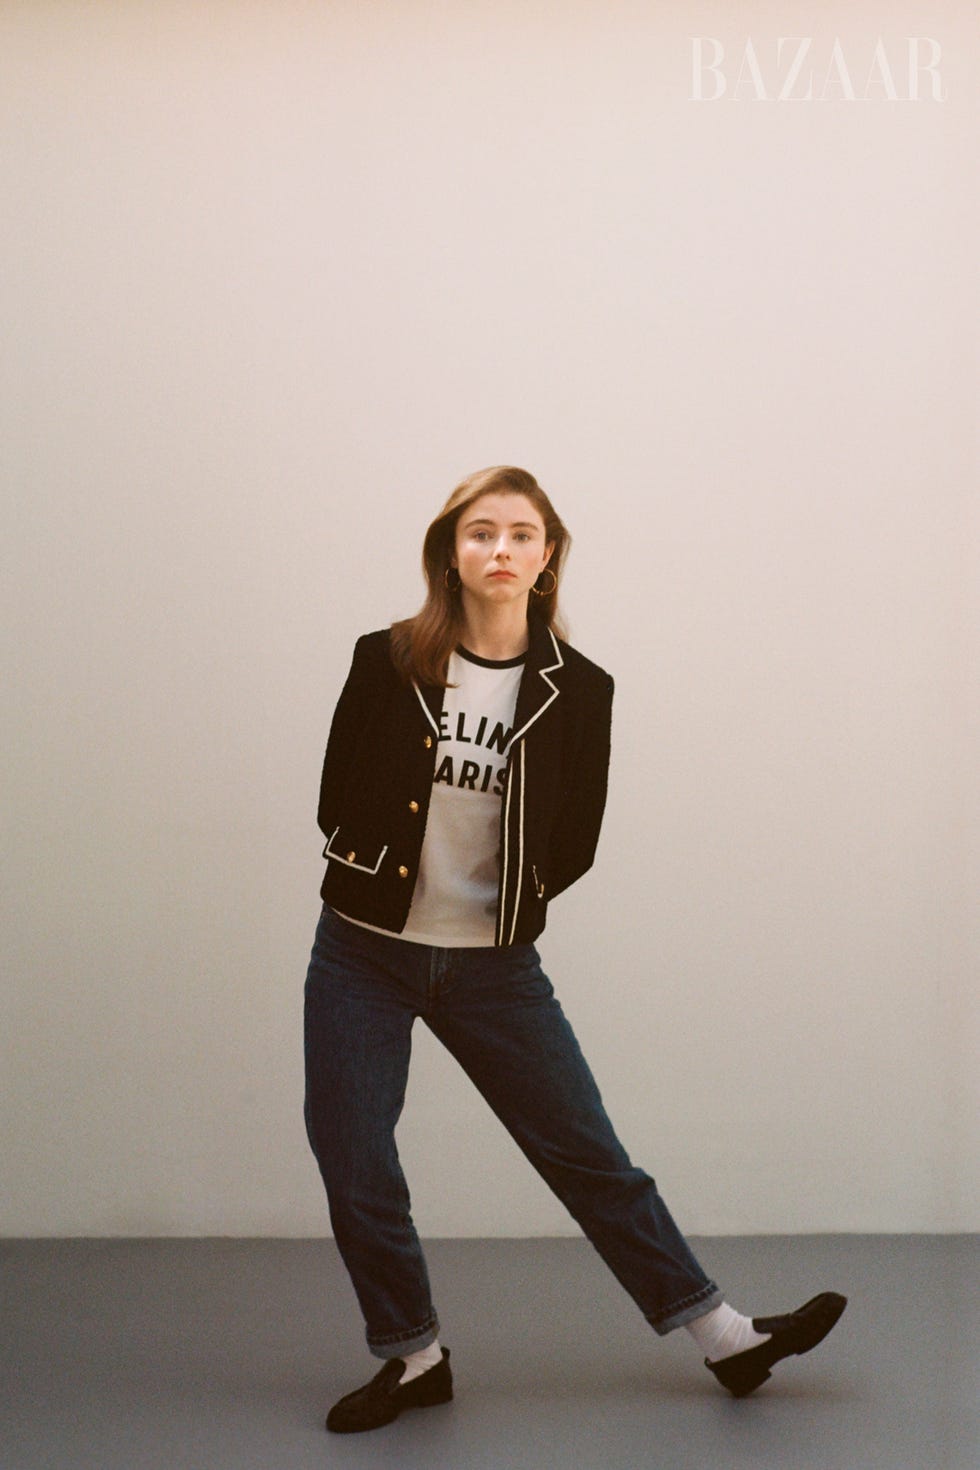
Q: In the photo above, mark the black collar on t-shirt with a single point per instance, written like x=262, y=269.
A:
x=490, y=663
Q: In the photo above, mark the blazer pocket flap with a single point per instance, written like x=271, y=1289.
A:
x=342, y=848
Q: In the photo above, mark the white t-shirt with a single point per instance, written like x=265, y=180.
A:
x=454, y=902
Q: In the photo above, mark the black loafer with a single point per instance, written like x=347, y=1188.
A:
x=796, y=1333
x=382, y=1400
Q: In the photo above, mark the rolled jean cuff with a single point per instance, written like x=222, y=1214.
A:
x=399, y=1345
x=686, y=1311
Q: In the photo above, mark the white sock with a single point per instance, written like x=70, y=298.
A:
x=418, y=1363
x=723, y=1331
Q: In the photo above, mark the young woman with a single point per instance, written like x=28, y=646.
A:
x=463, y=788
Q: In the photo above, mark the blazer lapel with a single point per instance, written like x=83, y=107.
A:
x=538, y=688
x=430, y=698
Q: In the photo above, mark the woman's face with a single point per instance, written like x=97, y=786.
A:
x=500, y=548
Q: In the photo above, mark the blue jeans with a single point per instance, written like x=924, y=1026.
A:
x=495, y=1010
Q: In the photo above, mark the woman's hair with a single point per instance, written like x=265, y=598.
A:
x=420, y=646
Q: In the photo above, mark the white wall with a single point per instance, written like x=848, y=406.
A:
x=274, y=277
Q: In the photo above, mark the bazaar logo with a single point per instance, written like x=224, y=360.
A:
x=787, y=72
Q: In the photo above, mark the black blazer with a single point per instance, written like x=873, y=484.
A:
x=378, y=772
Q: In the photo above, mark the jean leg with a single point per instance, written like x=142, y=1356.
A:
x=502, y=1021
x=357, y=1034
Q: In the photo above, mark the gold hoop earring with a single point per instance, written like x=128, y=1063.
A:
x=546, y=591
x=452, y=586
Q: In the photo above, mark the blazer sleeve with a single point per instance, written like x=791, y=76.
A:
x=347, y=723
x=576, y=832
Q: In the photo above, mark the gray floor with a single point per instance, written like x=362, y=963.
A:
x=207, y=1354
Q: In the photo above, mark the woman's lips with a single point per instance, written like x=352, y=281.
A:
x=503, y=574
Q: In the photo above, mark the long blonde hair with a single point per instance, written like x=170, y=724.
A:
x=420, y=646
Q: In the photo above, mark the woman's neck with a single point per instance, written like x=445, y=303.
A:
x=495, y=633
